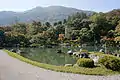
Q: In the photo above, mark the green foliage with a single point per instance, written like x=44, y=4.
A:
x=75, y=20
x=84, y=62
x=36, y=23
x=39, y=38
x=111, y=34
x=117, y=33
x=101, y=24
x=12, y=39
x=34, y=29
x=2, y=37
x=47, y=24
x=59, y=22
x=86, y=35
x=35, y=45
x=60, y=29
x=78, y=27
x=117, y=30
x=110, y=62
x=86, y=51
x=20, y=27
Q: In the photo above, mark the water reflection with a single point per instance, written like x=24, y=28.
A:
x=49, y=55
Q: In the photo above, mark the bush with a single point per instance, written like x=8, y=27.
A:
x=85, y=51
x=110, y=62
x=84, y=62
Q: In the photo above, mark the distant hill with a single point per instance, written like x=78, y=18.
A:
x=113, y=13
x=51, y=14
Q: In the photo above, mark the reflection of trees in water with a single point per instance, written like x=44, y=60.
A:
x=48, y=55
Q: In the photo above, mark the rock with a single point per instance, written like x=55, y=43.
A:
x=13, y=50
x=118, y=55
x=101, y=50
x=94, y=57
x=115, y=54
x=19, y=51
x=81, y=50
x=68, y=65
x=70, y=52
x=79, y=46
x=83, y=55
x=76, y=53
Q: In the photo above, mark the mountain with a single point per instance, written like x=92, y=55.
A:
x=115, y=12
x=51, y=14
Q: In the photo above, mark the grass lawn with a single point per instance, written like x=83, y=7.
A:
x=78, y=70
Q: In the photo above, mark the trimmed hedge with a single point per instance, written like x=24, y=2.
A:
x=110, y=62
x=85, y=62
x=77, y=70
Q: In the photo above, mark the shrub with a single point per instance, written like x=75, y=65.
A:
x=85, y=51
x=85, y=62
x=110, y=62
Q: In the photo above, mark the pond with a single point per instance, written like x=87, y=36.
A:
x=49, y=55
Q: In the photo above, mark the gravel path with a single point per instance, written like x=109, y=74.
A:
x=13, y=69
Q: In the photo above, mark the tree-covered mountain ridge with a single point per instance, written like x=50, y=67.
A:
x=44, y=14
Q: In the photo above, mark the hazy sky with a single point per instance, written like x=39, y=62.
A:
x=94, y=5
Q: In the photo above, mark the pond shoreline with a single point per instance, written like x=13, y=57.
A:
x=80, y=70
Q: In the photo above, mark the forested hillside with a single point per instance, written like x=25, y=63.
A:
x=51, y=14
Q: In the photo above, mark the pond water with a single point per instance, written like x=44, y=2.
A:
x=49, y=55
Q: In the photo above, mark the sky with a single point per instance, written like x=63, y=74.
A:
x=92, y=5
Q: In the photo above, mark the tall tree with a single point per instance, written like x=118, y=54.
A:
x=47, y=24
x=20, y=28
x=117, y=30
x=35, y=27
